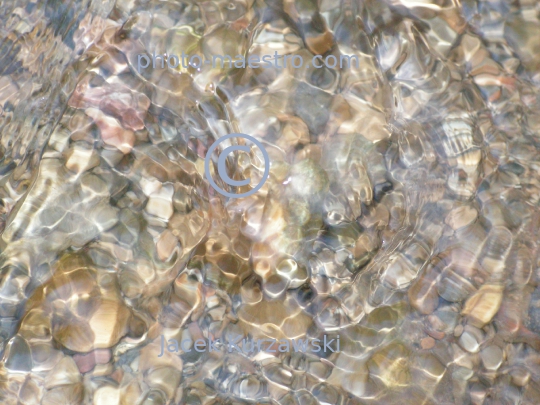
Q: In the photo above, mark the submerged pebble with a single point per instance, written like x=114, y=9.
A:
x=400, y=213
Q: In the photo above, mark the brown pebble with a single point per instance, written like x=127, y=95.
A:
x=458, y=330
x=117, y=375
x=435, y=334
x=427, y=343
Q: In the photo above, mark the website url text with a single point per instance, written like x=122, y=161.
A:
x=253, y=61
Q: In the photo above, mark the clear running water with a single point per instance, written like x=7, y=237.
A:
x=401, y=212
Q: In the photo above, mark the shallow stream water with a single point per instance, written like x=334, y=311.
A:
x=401, y=212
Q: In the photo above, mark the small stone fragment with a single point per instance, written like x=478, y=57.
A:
x=427, y=343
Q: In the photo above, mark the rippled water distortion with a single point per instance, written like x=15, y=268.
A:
x=397, y=227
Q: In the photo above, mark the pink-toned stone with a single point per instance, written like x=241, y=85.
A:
x=112, y=132
x=113, y=100
x=103, y=356
x=85, y=362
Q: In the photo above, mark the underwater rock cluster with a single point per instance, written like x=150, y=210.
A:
x=401, y=212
